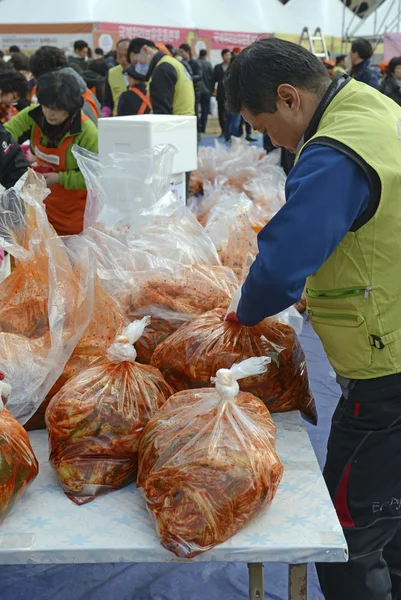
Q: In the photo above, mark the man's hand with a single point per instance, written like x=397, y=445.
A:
x=52, y=179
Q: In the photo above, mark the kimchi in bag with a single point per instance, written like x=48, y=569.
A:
x=207, y=462
x=96, y=421
x=190, y=356
x=46, y=301
x=18, y=464
x=170, y=292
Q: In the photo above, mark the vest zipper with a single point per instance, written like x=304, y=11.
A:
x=334, y=317
x=341, y=293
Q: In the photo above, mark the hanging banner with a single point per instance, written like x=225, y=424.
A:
x=215, y=40
x=392, y=45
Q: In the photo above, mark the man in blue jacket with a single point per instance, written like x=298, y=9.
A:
x=362, y=70
x=339, y=233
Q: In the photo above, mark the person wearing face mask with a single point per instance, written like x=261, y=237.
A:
x=171, y=88
x=53, y=126
x=116, y=81
x=339, y=234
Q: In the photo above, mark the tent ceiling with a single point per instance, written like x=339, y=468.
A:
x=260, y=16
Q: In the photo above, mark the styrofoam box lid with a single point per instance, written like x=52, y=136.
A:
x=136, y=133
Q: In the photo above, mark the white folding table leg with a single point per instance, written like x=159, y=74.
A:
x=256, y=581
x=297, y=584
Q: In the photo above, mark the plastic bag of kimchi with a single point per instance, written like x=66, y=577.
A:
x=174, y=295
x=207, y=462
x=106, y=323
x=190, y=356
x=18, y=464
x=46, y=301
x=229, y=227
x=96, y=421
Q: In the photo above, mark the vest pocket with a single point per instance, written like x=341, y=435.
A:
x=344, y=336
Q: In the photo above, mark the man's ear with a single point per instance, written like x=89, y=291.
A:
x=288, y=95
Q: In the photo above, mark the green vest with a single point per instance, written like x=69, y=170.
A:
x=354, y=299
x=184, y=94
x=117, y=85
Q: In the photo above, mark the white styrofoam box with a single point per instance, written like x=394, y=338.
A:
x=135, y=133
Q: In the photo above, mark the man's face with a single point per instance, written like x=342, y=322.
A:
x=344, y=63
x=288, y=124
x=227, y=57
x=355, y=58
x=82, y=53
x=122, y=59
x=184, y=54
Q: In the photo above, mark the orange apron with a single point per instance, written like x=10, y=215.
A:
x=145, y=100
x=65, y=208
x=89, y=98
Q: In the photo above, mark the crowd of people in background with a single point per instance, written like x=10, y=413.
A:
x=53, y=100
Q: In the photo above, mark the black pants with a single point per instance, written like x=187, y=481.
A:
x=363, y=475
x=205, y=110
x=222, y=115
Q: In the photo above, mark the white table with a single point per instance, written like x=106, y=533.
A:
x=300, y=527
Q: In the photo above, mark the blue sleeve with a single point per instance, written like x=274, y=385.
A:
x=326, y=191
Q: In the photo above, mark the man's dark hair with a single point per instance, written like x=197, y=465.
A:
x=340, y=58
x=186, y=48
x=99, y=52
x=258, y=71
x=127, y=40
x=137, y=44
x=45, y=60
x=20, y=62
x=12, y=81
x=363, y=48
x=99, y=66
x=14, y=49
x=60, y=91
x=223, y=52
x=80, y=45
x=170, y=48
x=203, y=53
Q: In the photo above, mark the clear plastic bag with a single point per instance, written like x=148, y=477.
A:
x=171, y=231
x=237, y=164
x=124, y=184
x=229, y=227
x=207, y=462
x=190, y=356
x=46, y=301
x=267, y=192
x=95, y=422
x=18, y=464
x=172, y=293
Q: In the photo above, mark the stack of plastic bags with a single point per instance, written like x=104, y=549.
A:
x=207, y=462
x=96, y=421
